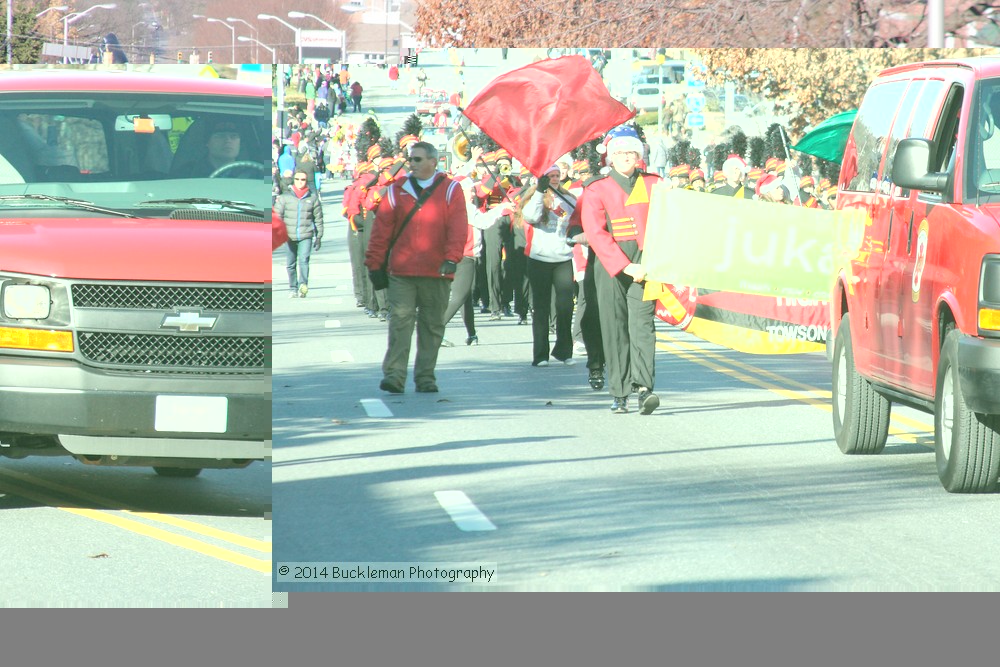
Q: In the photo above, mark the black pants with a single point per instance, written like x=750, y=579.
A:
x=356, y=101
x=628, y=332
x=461, y=295
x=493, y=247
x=544, y=277
x=517, y=266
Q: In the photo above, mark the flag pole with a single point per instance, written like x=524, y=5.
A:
x=496, y=179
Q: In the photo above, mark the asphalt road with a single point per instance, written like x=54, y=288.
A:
x=85, y=536
x=735, y=483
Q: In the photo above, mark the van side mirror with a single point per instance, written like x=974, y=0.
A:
x=910, y=167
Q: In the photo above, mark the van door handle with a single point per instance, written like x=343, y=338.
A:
x=888, y=238
x=909, y=233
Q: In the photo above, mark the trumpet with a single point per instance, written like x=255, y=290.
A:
x=505, y=169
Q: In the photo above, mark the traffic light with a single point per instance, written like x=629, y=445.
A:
x=180, y=57
x=210, y=56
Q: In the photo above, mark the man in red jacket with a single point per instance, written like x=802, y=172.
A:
x=614, y=213
x=421, y=265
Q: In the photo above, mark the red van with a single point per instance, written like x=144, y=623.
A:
x=135, y=302
x=916, y=311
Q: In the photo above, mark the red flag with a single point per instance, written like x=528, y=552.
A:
x=541, y=111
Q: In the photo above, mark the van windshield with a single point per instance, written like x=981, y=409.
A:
x=120, y=150
x=984, y=167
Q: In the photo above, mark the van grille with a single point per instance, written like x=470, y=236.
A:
x=158, y=297
x=178, y=352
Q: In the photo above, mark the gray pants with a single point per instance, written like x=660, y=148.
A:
x=628, y=332
x=419, y=301
x=461, y=294
x=356, y=249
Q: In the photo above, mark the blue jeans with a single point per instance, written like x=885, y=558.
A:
x=298, y=255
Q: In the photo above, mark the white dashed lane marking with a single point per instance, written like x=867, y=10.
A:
x=375, y=407
x=332, y=324
x=463, y=512
x=341, y=357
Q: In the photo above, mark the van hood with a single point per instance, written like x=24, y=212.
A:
x=122, y=249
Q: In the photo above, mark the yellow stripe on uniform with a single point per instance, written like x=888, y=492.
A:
x=639, y=193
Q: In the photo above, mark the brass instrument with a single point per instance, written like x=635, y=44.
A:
x=460, y=148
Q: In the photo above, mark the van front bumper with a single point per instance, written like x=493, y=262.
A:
x=979, y=373
x=46, y=396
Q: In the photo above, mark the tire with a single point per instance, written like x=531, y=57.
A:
x=860, y=413
x=966, y=444
x=177, y=472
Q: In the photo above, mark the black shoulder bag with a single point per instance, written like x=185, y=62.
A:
x=380, y=276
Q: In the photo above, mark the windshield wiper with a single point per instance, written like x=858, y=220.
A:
x=75, y=203
x=241, y=206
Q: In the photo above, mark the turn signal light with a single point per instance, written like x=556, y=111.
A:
x=989, y=319
x=36, y=339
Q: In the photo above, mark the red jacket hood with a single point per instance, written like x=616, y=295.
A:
x=120, y=249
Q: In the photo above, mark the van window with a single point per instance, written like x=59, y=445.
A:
x=927, y=105
x=983, y=165
x=871, y=129
x=901, y=125
x=946, y=133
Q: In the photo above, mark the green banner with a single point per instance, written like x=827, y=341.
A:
x=741, y=245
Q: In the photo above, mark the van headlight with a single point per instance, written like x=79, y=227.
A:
x=26, y=302
x=989, y=295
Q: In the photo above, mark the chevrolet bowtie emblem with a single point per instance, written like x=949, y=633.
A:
x=188, y=322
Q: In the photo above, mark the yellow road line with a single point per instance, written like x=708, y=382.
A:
x=902, y=419
x=207, y=531
x=698, y=355
x=192, y=544
x=143, y=529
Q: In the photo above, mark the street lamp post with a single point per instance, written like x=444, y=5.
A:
x=231, y=30
x=298, y=41
x=274, y=58
x=76, y=16
x=343, y=33
x=256, y=57
x=61, y=8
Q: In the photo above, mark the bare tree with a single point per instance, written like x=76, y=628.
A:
x=690, y=23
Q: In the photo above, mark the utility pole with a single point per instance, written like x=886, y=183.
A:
x=10, y=31
x=935, y=24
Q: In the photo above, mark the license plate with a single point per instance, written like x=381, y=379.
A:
x=192, y=414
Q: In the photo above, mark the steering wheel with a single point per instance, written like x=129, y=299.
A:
x=262, y=168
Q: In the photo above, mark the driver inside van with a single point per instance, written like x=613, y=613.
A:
x=223, y=145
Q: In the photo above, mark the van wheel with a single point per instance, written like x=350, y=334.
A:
x=966, y=444
x=177, y=472
x=860, y=413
